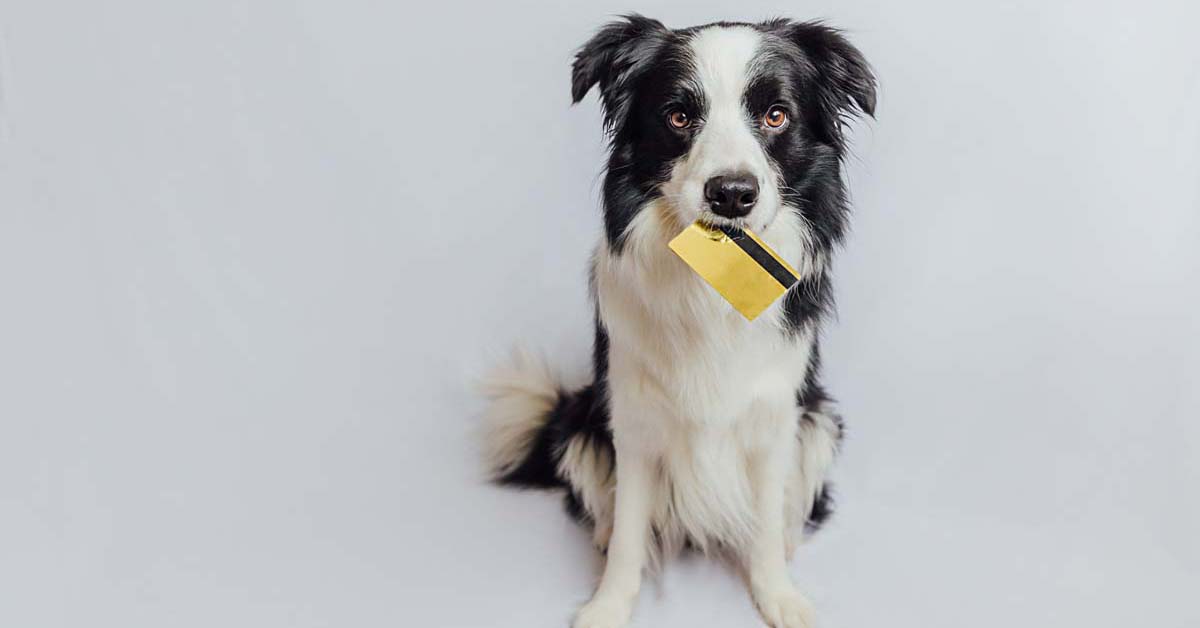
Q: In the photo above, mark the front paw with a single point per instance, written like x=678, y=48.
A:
x=784, y=607
x=603, y=612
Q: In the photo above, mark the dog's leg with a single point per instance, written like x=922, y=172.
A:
x=613, y=601
x=781, y=605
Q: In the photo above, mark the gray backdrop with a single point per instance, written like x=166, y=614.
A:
x=251, y=255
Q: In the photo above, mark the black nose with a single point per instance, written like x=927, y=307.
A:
x=731, y=195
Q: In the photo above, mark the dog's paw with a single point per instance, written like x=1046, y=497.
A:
x=603, y=612
x=784, y=607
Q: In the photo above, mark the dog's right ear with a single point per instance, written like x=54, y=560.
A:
x=613, y=57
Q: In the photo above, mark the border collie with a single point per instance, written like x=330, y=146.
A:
x=699, y=428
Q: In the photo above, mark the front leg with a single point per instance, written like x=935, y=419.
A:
x=612, y=603
x=781, y=605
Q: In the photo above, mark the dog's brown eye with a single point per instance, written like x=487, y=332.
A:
x=678, y=120
x=776, y=117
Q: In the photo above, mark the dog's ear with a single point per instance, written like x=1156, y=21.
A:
x=844, y=80
x=613, y=58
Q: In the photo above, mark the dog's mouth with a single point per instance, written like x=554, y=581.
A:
x=713, y=220
x=759, y=220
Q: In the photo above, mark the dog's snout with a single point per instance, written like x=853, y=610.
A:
x=731, y=195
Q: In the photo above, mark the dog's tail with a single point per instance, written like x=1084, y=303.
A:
x=537, y=435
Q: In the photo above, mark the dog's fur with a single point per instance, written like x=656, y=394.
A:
x=699, y=427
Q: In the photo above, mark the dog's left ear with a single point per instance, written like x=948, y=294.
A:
x=844, y=79
x=614, y=57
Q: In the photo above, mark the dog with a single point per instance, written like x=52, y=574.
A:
x=699, y=428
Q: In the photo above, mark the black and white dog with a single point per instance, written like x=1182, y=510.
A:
x=699, y=427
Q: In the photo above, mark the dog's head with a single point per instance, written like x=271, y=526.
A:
x=729, y=123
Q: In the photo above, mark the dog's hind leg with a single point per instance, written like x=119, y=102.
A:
x=818, y=438
x=587, y=466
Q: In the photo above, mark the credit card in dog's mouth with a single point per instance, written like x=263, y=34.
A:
x=740, y=266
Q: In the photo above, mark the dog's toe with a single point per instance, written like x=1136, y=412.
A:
x=785, y=608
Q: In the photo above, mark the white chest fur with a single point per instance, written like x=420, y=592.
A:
x=693, y=384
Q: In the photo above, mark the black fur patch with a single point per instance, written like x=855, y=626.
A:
x=822, y=509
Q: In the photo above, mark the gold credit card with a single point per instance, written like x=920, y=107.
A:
x=741, y=267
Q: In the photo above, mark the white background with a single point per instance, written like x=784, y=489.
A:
x=252, y=254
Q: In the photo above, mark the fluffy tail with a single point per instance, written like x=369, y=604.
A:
x=537, y=435
x=516, y=442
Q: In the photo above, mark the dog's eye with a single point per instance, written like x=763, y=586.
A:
x=678, y=120
x=776, y=117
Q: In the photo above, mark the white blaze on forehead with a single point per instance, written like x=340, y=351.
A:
x=723, y=56
x=727, y=142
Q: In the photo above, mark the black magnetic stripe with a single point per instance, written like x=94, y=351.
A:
x=761, y=256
